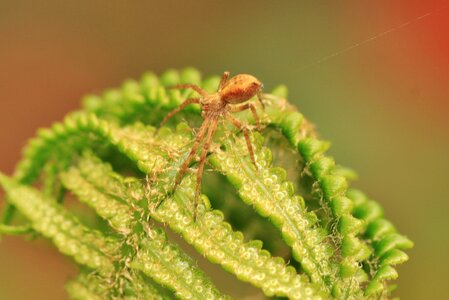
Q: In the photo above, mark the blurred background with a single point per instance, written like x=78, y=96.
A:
x=373, y=76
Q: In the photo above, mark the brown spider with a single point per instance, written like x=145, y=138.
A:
x=238, y=89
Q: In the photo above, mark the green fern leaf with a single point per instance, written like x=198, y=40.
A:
x=108, y=156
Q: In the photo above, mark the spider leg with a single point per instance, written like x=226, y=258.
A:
x=185, y=164
x=242, y=127
x=259, y=97
x=190, y=86
x=223, y=80
x=245, y=107
x=199, y=174
x=178, y=109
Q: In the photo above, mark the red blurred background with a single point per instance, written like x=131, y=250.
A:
x=373, y=76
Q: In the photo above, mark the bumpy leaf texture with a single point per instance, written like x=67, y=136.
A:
x=291, y=227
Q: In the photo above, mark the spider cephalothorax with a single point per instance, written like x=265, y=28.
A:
x=236, y=90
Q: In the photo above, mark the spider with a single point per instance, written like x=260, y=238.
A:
x=220, y=104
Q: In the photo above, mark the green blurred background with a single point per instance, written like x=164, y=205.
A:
x=383, y=102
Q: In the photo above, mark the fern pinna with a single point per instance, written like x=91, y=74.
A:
x=307, y=234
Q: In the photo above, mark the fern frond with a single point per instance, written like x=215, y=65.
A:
x=210, y=235
x=385, y=242
x=150, y=251
x=268, y=191
x=88, y=247
x=108, y=156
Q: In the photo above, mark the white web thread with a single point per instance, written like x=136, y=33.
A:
x=375, y=37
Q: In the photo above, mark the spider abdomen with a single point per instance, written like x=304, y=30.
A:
x=240, y=88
